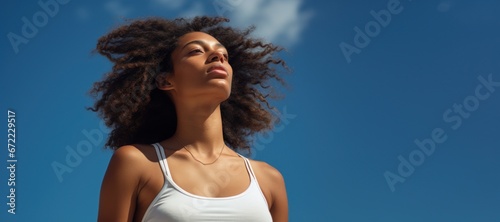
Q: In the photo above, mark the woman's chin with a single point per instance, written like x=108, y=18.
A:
x=221, y=97
x=220, y=82
x=223, y=88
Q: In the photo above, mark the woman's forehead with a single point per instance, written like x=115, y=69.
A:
x=193, y=36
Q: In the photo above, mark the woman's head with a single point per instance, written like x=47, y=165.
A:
x=158, y=63
x=200, y=73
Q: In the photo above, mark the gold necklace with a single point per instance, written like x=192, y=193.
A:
x=203, y=162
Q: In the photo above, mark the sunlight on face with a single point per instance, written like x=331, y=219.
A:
x=200, y=69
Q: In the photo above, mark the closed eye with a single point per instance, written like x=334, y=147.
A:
x=195, y=51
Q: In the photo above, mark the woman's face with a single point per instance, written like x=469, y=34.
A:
x=200, y=69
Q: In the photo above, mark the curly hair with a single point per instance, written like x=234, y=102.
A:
x=137, y=112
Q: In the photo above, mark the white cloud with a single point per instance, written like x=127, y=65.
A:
x=277, y=21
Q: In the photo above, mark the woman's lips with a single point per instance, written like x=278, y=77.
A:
x=217, y=72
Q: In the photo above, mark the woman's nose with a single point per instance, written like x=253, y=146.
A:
x=216, y=56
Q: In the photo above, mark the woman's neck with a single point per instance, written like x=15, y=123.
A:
x=200, y=128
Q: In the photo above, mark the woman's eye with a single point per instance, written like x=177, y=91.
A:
x=195, y=51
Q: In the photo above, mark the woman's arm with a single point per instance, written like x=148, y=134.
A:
x=117, y=200
x=279, y=207
x=273, y=186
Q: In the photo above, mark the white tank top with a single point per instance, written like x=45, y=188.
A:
x=173, y=204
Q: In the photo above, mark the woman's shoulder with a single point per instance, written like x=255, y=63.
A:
x=131, y=164
x=266, y=172
x=134, y=154
x=272, y=184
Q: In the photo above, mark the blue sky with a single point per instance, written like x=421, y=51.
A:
x=392, y=114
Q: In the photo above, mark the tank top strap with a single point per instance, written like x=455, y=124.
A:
x=249, y=167
x=162, y=159
x=254, y=182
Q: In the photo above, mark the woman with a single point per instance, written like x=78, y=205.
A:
x=182, y=96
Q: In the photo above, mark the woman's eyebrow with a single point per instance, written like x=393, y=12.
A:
x=203, y=43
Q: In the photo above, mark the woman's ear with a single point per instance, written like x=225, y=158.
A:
x=163, y=82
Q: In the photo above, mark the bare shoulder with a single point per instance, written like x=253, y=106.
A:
x=266, y=171
x=121, y=182
x=134, y=153
x=131, y=159
x=128, y=152
x=273, y=187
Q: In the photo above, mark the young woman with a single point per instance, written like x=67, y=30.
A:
x=182, y=97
